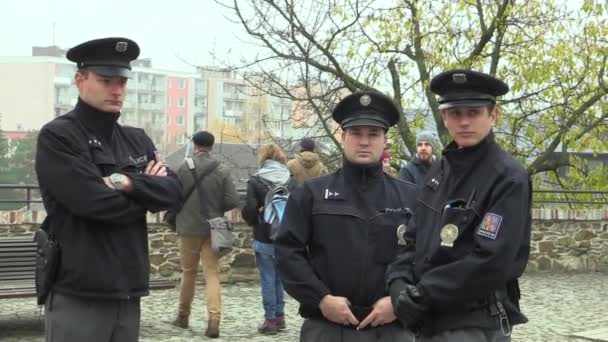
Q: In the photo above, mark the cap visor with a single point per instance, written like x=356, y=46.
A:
x=465, y=103
x=365, y=122
x=110, y=71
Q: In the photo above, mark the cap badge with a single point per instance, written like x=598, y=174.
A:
x=459, y=78
x=448, y=234
x=401, y=235
x=365, y=100
x=121, y=46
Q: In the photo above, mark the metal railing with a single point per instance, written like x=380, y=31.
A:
x=27, y=200
x=559, y=197
x=572, y=197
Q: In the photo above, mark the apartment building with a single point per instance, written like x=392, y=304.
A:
x=169, y=105
x=36, y=89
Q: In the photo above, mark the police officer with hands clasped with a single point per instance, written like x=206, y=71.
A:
x=338, y=233
x=98, y=179
x=457, y=277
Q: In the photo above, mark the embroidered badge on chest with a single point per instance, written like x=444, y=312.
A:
x=489, y=226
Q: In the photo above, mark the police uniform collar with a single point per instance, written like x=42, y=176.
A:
x=361, y=174
x=467, y=156
x=99, y=122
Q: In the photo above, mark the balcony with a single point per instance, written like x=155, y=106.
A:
x=63, y=80
x=151, y=106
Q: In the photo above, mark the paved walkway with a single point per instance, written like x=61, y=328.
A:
x=593, y=335
x=558, y=306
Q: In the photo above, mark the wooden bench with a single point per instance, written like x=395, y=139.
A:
x=18, y=266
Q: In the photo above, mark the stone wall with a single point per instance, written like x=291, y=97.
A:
x=562, y=241
x=237, y=266
x=569, y=240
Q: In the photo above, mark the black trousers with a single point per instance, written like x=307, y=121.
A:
x=318, y=330
x=77, y=319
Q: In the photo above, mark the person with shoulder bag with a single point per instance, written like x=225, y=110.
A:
x=195, y=222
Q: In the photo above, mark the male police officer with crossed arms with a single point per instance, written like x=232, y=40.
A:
x=339, y=233
x=98, y=179
x=457, y=277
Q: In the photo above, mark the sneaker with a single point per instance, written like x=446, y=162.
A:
x=268, y=327
x=280, y=321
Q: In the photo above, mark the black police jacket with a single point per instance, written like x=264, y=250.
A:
x=338, y=235
x=486, y=194
x=102, y=232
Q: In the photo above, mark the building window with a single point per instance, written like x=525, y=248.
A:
x=179, y=120
x=143, y=98
x=181, y=102
x=182, y=84
x=180, y=139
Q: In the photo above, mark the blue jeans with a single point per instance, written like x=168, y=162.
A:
x=272, y=288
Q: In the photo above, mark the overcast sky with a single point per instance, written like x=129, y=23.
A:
x=165, y=30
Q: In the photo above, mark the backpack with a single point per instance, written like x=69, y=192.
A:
x=275, y=202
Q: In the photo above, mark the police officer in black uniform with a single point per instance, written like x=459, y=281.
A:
x=98, y=179
x=456, y=279
x=338, y=233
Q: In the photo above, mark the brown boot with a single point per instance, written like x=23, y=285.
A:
x=213, y=328
x=181, y=320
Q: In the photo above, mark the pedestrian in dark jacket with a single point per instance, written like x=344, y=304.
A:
x=457, y=277
x=415, y=171
x=272, y=172
x=338, y=233
x=98, y=179
x=193, y=229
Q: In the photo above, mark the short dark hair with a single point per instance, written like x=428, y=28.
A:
x=307, y=144
x=203, y=139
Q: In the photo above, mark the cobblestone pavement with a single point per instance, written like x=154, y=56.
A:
x=557, y=305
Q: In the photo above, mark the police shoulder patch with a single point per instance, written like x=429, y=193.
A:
x=489, y=226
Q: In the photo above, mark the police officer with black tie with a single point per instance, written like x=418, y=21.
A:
x=457, y=277
x=338, y=233
x=98, y=179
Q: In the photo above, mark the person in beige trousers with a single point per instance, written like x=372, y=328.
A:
x=193, y=230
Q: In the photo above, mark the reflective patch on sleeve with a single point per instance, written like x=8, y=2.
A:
x=489, y=226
